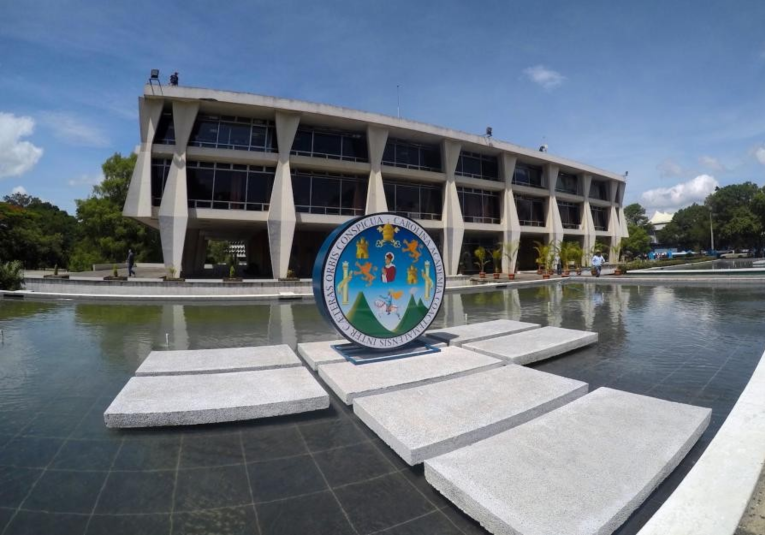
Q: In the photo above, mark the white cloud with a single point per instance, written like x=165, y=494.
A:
x=759, y=153
x=681, y=195
x=712, y=163
x=16, y=156
x=19, y=189
x=547, y=78
x=86, y=180
x=669, y=168
x=73, y=130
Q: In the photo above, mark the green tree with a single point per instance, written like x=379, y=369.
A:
x=689, y=228
x=218, y=251
x=638, y=242
x=635, y=215
x=105, y=234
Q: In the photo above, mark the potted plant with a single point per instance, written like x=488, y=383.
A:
x=232, y=270
x=481, y=255
x=545, y=258
x=511, y=252
x=170, y=277
x=496, y=258
x=115, y=276
x=565, y=256
x=55, y=274
x=621, y=269
x=291, y=276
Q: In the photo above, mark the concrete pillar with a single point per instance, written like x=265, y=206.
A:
x=454, y=226
x=376, y=139
x=174, y=209
x=281, y=213
x=588, y=224
x=620, y=209
x=554, y=225
x=511, y=227
x=138, y=201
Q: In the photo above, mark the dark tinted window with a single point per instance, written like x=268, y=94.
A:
x=400, y=153
x=165, y=134
x=526, y=175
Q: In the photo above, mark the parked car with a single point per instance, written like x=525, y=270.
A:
x=739, y=253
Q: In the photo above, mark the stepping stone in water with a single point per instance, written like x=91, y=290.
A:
x=215, y=397
x=474, y=332
x=533, y=346
x=423, y=422
x=581, y=469
x=350, y=381
x=232, y=359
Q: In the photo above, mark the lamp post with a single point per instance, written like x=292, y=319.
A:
x=711, y=232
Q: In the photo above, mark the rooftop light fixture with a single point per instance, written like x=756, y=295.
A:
x=154, y=76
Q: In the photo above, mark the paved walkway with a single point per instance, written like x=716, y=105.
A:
x=753, y=521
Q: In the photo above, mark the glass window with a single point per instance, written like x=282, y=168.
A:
x=389, y=154
x=301, y=190
x=431, y=201
x=599, y=190
x=354, y=147
x=239, y=136
x=599, y=217
x=325, y=193
x=165, y=134
x=258, y=137
x=205, y=132
x=405, y=154
x=430, y=158
x=303, y=141
x=200, y=183
x=567, y=183
x=479, y=206
x=526, y=175
x=569, y=214
x=354, y=196
x=407, y=199
x=329, y=144
x=490, y=168
x=159, y=171
x=469, y=166
x=531, y=211
x=259, y=186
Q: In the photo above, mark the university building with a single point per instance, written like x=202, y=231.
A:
x=279, y=175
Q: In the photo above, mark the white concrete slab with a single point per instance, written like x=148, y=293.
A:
x=533, y=346
x=423, y=422
x=317, y=354
x=350, y=381
x=473, y=332
x=233, y=359
x=215, y=397
x=579, y=470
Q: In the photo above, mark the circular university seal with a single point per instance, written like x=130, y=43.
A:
x=379, y=279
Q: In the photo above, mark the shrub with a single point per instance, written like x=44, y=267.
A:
x=11, y=275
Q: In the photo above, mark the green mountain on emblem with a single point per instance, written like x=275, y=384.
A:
x=363, y=319
x=415, y=311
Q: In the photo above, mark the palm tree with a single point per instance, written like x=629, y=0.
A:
x=480, y=254
x=511, y=252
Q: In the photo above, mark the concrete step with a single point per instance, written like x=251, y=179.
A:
x=533, y=346
x=215, y=397
x=350, y=381
x=233, y=359
x=474, y=332
x=581, y=469
x=423, y=422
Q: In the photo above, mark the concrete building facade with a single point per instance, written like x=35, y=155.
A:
x=278, y=175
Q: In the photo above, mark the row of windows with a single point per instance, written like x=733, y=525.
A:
x=324, y=193
x=599, y=190
x=241, y=187
x=417, y=201
x=236, y=133
x=477, y=166
x=567, y=183
x=409, y=155
x=336, y=145
x=479, y=206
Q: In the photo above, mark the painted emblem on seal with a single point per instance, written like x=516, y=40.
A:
x=379, y=279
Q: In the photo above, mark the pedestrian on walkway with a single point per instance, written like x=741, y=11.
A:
x=597, y=263
x=131, y=263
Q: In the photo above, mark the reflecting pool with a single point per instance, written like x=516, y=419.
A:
x=62, y=363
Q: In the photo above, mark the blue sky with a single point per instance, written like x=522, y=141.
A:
x=671, y=91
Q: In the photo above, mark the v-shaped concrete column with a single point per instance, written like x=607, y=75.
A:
x=376, y=139
x=454, y=226
x=174, y=209
x=588, y=224
x=511, y=227
x=614, y=223
x=281, y=212
x=554, y=224
x=138, y=201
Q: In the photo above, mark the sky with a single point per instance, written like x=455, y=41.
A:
x=672, y=92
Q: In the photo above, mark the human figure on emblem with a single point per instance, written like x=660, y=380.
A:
x=389, y=270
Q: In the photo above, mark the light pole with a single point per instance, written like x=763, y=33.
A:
x=711, y=232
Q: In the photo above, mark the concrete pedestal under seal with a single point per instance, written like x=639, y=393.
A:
x=423, y=422
x=581, y=469
x=215, y=397
x=474, y=332
x=350, y=381
x=218, y=360
x=533, y=346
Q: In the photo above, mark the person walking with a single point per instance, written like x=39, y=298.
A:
x=597, y=263
x=174, y=79
x=131, y=263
